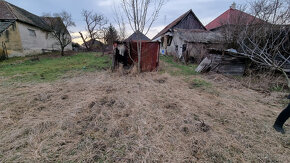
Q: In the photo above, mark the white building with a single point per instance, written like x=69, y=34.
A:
x=23, y=33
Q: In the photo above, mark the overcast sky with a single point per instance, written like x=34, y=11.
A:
x=205, y=10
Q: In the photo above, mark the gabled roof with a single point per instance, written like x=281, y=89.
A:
x=10, y=12
x=137, y=36
x=233, y=17
x=176, y=21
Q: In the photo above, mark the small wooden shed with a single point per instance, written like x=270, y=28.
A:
x=126, y=52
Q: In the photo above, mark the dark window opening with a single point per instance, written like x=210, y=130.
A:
x=184, y=47
x=14, y=26
x=169, y=40
x=162, y=42
x=7, y=35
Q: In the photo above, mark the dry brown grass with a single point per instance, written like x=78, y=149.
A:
x=136, y=118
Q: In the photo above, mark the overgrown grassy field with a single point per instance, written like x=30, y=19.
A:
x=69, y=109
x=51, y=69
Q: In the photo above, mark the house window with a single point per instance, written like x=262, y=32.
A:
x=184, y=47
x=162, y=42
x=7, y=34
x=169, y=40
x=32, y=32
x=176, y=48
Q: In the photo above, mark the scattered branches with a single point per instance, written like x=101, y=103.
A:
x=267, y=44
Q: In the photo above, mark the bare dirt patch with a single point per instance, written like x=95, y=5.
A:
x=151, y=117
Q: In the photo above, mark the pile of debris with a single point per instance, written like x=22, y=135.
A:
x=228, y=62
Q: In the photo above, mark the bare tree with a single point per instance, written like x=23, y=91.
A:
x=268, y=44
x=95, y=28
x=141, y=14
x=231, y=28
x=120, y=21
x=58, y=26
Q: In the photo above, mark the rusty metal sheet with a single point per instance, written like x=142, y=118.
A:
x=149, y=55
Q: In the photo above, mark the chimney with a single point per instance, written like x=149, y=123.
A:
x=233, y=6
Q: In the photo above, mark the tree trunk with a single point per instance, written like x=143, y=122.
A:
x=62, y=51
x=86, y=45
x=139, y=50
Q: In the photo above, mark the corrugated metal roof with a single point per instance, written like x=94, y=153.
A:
x=10, y=12
x=233, y=17
x=175, y=22
x=5, y=24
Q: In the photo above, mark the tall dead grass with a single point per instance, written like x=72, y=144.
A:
x=150, y=117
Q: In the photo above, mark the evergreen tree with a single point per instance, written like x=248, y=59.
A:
x=111, y=35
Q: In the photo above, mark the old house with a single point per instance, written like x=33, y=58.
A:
x=94, y=45
x=169, y=43
x=233, y=18
x=192, y=45
x=231, y=23
x=23, y=33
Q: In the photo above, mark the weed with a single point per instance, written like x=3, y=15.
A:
x=178, y=68
x=50, y=69
x=198, y=83
x=277, y=88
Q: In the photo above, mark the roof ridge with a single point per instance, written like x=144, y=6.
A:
x=25, y=16
x=228, y=10
x=7, y=4
x=183, y=16
x=176, y=21
x=231, y=15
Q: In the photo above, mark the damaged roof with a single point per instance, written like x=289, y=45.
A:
x=233, y=17
x=178, y=20
x=10, y=12
x=199, y=36
x=137, y=36
x=5, y=25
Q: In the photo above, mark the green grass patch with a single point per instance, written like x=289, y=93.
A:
x=198, y=83
x=50, y=69
x=177, y=68
x=278, y=88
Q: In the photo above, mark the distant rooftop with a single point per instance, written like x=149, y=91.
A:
x=233, y=17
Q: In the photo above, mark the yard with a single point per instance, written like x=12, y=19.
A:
x=74, y=109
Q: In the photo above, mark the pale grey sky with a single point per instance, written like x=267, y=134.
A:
x=205, y=10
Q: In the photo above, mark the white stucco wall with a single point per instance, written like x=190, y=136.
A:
x=176, y=41
x=34, y=45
